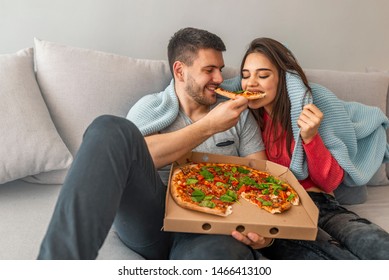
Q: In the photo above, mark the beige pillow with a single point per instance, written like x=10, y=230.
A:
x=29, y=143
x=80, y=84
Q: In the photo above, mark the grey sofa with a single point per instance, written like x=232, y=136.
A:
x=49, y=95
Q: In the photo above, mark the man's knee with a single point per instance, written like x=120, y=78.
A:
x=113, y=127
x=217, y=247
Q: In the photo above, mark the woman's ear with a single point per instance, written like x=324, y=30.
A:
x=178, y=70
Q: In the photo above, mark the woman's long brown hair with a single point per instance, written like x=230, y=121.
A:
x=284, y=61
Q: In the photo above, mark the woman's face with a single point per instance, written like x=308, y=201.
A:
x=259, y=74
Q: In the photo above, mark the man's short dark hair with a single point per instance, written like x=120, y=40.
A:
x=185, y=44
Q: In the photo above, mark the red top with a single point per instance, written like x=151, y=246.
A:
x=324, y=171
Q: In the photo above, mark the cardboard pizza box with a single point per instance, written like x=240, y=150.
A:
x=299, y=222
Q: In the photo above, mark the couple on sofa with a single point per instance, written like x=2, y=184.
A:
x=119, y=174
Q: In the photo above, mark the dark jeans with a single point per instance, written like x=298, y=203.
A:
x=342, y=235
x=113, y=179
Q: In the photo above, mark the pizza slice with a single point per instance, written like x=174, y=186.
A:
x=245, y=93
x=270, y=194
x=195, y=187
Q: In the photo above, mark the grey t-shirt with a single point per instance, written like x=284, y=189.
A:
x=242, y=139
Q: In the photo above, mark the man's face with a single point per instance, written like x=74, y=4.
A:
x=204, y=76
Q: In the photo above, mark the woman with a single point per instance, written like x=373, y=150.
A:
x=290, y=122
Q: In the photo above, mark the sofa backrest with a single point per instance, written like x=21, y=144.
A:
x=79, y=85
x=368, y=88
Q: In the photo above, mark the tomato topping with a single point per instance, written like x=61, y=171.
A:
x=200, y=177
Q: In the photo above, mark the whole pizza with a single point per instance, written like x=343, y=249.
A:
x=214, y=187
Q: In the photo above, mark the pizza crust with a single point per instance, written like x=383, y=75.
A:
x=248, y=95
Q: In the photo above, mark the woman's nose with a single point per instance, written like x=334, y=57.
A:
x=252, y=81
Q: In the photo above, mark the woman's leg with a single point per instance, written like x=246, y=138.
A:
x=323, y=248
x=113, y=166
x=363, y=238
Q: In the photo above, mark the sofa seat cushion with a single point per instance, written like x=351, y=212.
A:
x=25, y=212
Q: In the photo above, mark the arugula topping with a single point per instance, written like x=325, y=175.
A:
x=265, y=202
x=273, y=180
x=230, y=196
x=243, y=170
x=206, y=174
x=232, y=179
x=246, y=180
x=220, y=184
x=197, y=195
x=207, y=203
x=277, y=188
x=191, y=181
x=204, y=201
x=290, y=197
x=217, y=169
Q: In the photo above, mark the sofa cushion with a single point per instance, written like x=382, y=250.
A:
x=370, y=89
x=80, y=84
x=30, y=143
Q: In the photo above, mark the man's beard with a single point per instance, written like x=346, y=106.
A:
x=196, y=92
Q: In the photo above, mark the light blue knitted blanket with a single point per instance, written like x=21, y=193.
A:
x=156, y=111
x=354, y=133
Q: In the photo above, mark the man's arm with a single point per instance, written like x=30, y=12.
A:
x=168, y=147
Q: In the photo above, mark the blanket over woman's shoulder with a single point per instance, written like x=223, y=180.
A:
x=354, y=133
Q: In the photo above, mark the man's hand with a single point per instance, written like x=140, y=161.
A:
x=226, y=114
x=165, y=148
x=252, y=239
x=309, y=122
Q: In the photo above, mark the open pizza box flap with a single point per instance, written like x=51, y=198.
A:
x=299, y=222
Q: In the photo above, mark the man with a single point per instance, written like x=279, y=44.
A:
x=114, y=175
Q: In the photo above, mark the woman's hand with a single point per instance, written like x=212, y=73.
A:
x=309, y=122
x=252, y=239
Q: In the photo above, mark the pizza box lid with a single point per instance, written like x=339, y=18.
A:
x=299, y=222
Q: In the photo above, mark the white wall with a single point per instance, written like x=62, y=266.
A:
x=324, y=34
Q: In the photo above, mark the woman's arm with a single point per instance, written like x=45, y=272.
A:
x=323, y=168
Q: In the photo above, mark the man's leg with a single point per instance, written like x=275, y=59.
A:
x=188, y=246
x=113, y=160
